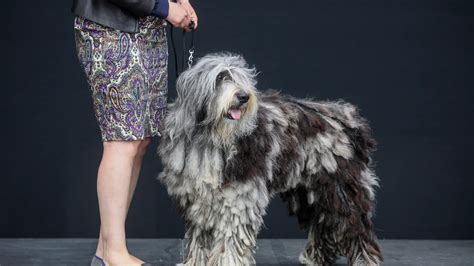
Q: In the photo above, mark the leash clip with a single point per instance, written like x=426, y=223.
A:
x=191, y=57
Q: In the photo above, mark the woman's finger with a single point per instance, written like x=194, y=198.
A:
x=185, y=6
x=190, y=15
x=193, y=16
x=185, y=23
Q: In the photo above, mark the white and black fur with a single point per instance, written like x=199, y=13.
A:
x=223, y=172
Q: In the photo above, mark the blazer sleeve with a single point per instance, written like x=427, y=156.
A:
x=139, y=8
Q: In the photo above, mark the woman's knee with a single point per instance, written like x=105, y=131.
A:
x=143, y=146
x=127, y=148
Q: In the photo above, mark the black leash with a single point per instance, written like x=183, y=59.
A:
x=190, y=50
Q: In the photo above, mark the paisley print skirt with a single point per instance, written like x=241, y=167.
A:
x=128, y=76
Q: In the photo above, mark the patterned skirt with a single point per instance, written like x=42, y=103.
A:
x=128, y=76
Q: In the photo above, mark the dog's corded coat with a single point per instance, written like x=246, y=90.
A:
x=222, y=172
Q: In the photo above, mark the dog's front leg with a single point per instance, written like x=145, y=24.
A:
x=238, y=221
x=238, y=218
x=234, y=245
x=197, y=246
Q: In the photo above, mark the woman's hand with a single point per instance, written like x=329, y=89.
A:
x=178, y=16
x=190, y=11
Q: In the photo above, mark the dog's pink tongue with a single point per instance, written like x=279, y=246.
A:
x=235, y=113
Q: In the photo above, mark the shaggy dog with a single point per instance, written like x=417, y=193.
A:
x=227, y=149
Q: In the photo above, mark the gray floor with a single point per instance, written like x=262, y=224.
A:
x=269, y=252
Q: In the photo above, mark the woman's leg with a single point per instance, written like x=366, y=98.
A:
x=137, y=165
x=113, y=186
x=142, y=148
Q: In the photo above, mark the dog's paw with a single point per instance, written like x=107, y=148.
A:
x=305, y=260
x=360, y=261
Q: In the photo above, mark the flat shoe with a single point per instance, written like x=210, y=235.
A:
x=97, y=261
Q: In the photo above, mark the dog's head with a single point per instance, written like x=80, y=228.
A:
x=219, y=93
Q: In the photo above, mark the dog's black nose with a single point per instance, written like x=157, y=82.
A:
x=242, y=96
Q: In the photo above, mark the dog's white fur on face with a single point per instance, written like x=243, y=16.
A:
x=204, y=100
x=227, y=149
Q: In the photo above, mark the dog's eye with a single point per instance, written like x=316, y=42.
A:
x=222, y=76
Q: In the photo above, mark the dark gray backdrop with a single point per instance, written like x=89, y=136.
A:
x=407, y=64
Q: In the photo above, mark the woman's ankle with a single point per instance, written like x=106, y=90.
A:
x=99, y=251
x=115, y=257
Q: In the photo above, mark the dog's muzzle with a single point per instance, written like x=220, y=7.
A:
x=235, y=111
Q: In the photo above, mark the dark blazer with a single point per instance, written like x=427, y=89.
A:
x=118, y=14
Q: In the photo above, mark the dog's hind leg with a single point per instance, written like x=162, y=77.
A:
x=321, y=248
x=342, y=225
